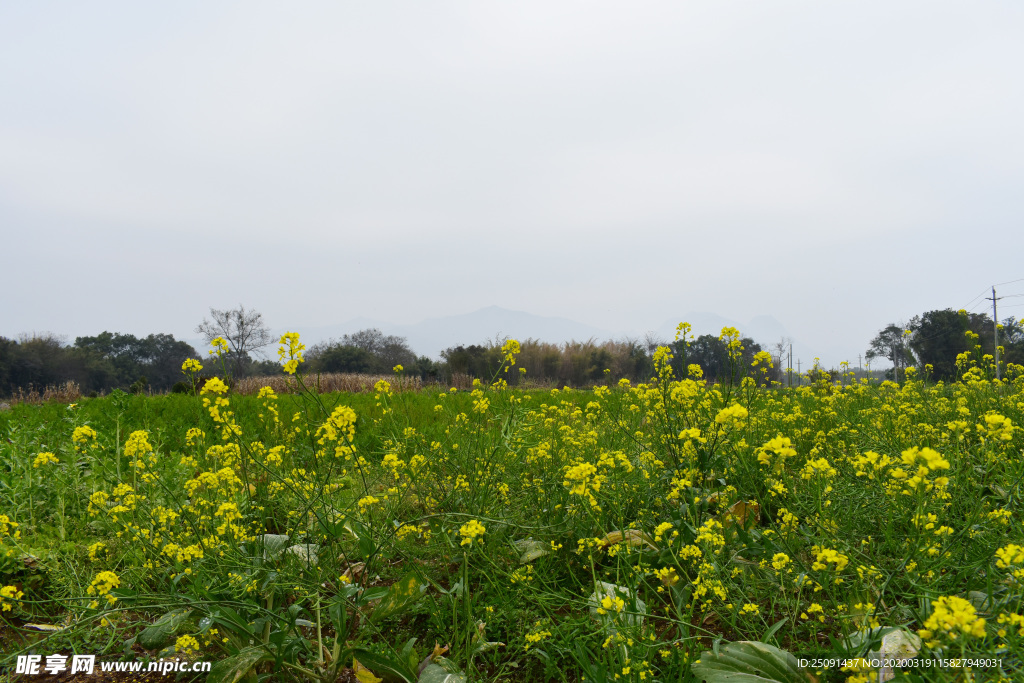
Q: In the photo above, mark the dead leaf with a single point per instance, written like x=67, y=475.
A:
x=740, y=512
x=364, y=675
x=633, y=538
x=356, y=572
x=438, y=652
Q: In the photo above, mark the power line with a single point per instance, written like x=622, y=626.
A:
x=1008, y=282
x=983, y=293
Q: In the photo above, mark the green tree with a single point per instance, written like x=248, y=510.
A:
x=891, y=343
x=336, y=357
x=387, y=350
x=156, y=357
x=711, y=353
x=938, y=337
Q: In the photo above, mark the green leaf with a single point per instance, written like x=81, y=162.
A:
x=231, y=620
x=402, y=595
x=273, y=545
x=530, y=550
x=160, y=632
x=749, y=662
x=442, y=670
x=236, y=667
x=391, y=670
x=774, y=629
x=307, y=553
x=480, y=643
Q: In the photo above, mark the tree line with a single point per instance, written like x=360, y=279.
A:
x=115, y=360
x=124, y=361
x=100, y=363
x=934, y=339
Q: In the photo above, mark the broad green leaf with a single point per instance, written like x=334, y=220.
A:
x=160, y=632
x=236, y=667
x=371, y=594
x=273, y=545
x=530, y=550
x=391, y=670
x=402, y=595
x=442, y=670
x=308, y=553
x=750, y=662
x=231, y=620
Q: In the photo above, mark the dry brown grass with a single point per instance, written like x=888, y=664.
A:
x=326, y=383
x=69, y=392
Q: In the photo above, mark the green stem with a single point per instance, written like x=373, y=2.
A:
x=266, y=626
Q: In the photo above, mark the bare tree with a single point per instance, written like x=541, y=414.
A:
x=244, y=331
x=780, y=355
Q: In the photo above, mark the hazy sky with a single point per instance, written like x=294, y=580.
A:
x=836, y=165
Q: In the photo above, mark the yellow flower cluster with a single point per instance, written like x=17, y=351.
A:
x=661, y=530
x=781, y=561
x=220, y=346
x=952, y=617
x=537, y=635
x=472, y=531
x=1011, y=557
x=775, y=452
x=870, y=464
x=102, y=585
x=920, y=463
x=8, y=596
x=608, y=604
x=290, y=352
x=818, y=468
x=826, y=556
x=186, y=645
x=583, y=480
x=998, y=427
x=366, y=502
x=84, y=438
x=44, y=459
x=509, y=350
x=732, y=416
x=191, y=365
x=339, y=429
x=138, y=448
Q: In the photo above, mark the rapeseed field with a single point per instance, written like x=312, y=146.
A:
x=672, y=530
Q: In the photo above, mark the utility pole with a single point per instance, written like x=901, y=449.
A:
x=799, y=378
x=995, y=329
x=789, y=367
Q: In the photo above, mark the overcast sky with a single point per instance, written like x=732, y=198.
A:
x=835, y=165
